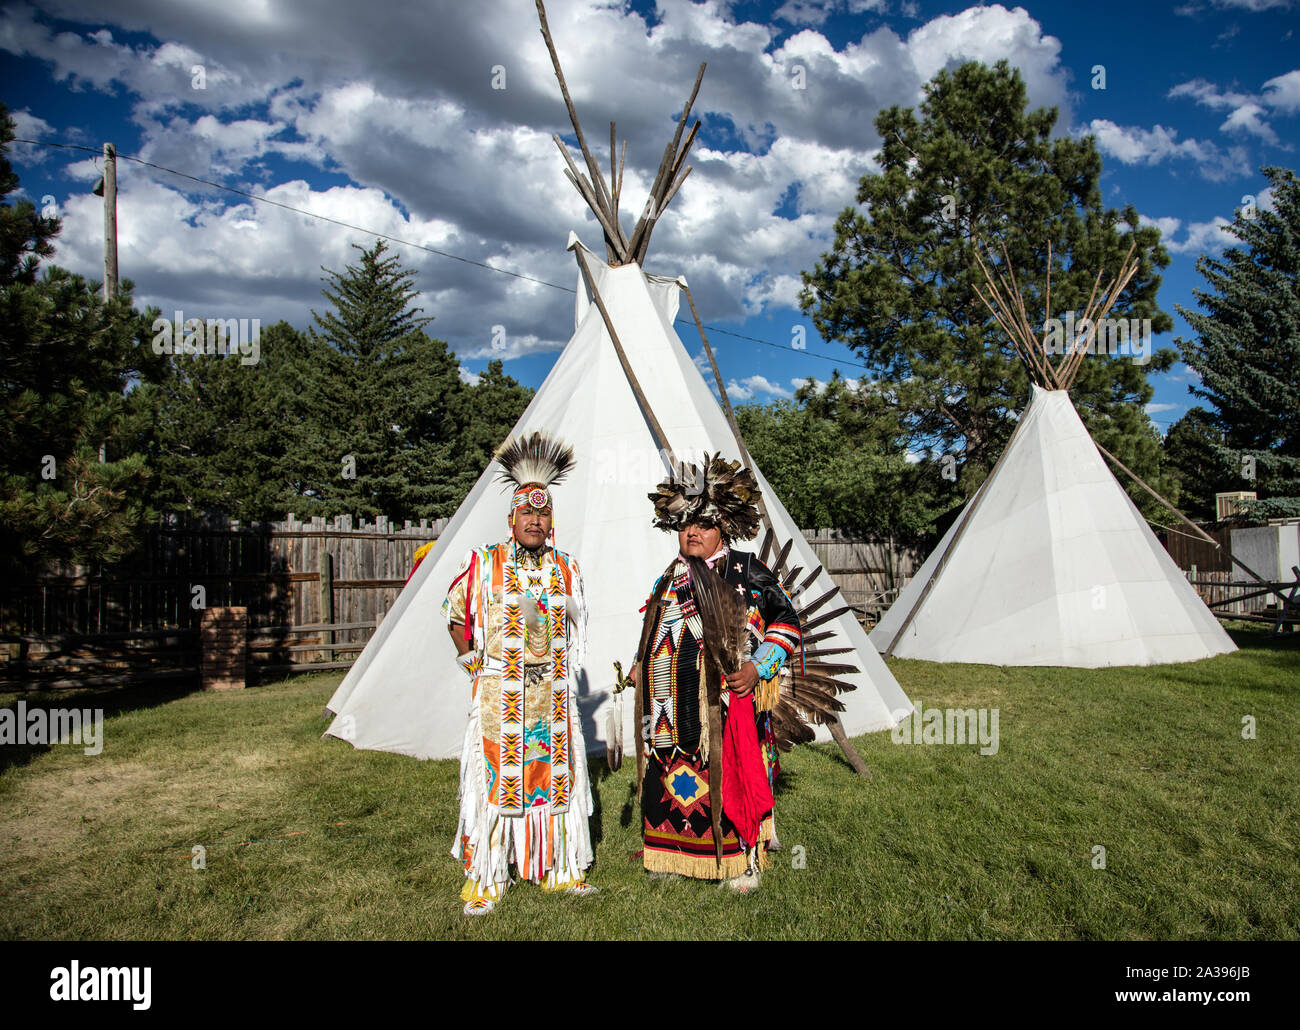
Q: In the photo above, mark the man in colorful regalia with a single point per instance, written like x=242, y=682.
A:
x=707, y=683
x=517, y=615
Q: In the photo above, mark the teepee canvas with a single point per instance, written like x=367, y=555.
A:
x=405, y=692
x=627, y=397
x=1056, y=566
x=1050, y=563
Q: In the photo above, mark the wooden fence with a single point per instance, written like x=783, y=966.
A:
x=348, y=575
x=1189, y=551
x=869, y=572
x=1277, y=603
x=302, y=583
x=1219, y=584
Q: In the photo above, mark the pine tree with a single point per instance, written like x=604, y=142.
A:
x=492, y=407
x=1194, y=455
x=898, y=285
x=1247, y=348
x=837, y=455
x=255, y=440
x=25, y=236
x=380, y=401
x=218, y=429
x=72, y=487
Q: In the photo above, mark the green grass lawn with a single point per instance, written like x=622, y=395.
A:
x=308, y=838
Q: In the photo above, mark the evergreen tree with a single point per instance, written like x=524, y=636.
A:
x=381, y=401
x=898, y=285
x=1194, y=455
x=25, y=236
x=1247, y=348
x=492, y=407
x=257, y=440
x=72, y=487
x=219, y=427
x=836, y=456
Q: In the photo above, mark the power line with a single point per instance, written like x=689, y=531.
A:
x=409, y=243
x=781, y=346
x=300, y=211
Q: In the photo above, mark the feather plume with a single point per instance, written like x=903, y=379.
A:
x=538, y=458
x=723, y=613
x=717, y=491
x=614, y=739
x=779, y=564
x=822, y=619
x=826, y=652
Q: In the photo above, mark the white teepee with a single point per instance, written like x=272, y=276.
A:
x=1050, y=563
x=405, y=692
x=1055, y=566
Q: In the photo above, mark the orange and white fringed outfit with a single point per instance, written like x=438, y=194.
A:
x=525, y=798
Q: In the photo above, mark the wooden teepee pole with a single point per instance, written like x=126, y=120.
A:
x=726, y=401
x=1123, y=277
x=1025, y=328
x=660, y=189
x=602, y=196
x=655, y=427
x=600, y=199
x=1017, y=328
x=833, y=724
x=1188, y=522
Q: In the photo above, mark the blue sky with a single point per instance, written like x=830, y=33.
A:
x=385, y=117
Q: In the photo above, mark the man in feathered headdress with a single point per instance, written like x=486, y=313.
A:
x=517, y=615
x=718, y=628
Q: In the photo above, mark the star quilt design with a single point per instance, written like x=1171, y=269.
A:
x=686, y=787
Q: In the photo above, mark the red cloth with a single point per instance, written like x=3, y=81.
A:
x=746, y=794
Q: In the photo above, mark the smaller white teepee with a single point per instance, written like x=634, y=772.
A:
x=1050, y=563
x=1056, y=566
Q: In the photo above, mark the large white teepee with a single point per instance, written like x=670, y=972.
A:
x=1056, y=566
x=405, y=692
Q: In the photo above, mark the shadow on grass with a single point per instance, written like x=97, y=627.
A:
x=832, y=753
x=597, y=773
x=1279, y=653
x=631, y=806
x=112, y=701
x=1262, y=640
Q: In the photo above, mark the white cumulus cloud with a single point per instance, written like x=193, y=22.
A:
x=1133, y=145
x=747, y=388
x=1247, y=111
x=1283, y=92
x=403, y=124
x=1204, y=238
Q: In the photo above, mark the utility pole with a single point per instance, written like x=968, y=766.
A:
x=110, y=221
x=110, y=240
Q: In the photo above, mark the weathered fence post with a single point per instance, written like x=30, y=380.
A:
x=326, y=607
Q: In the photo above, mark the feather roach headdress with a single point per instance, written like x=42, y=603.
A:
x=721, y=491
x=533, y=464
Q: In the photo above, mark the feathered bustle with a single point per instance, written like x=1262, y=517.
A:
x=809, y=686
